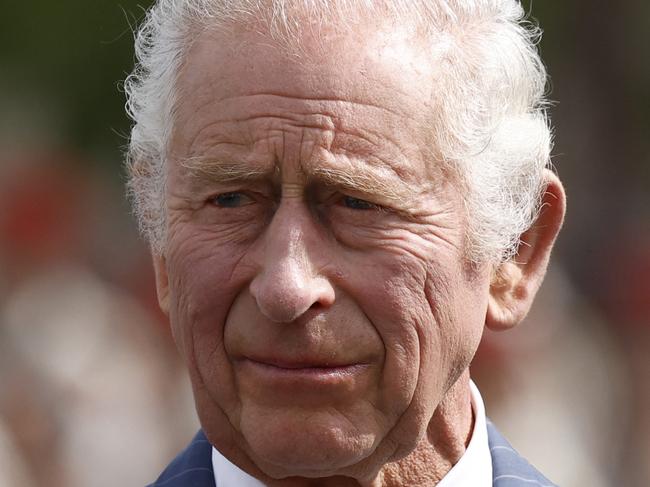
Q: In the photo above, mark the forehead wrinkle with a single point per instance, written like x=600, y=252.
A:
x=316, y=104
x=372, y=146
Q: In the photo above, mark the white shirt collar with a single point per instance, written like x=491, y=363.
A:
x=227, y=474
x=474, y=467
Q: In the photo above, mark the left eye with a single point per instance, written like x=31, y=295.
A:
x=231, y=200
x=357, y=204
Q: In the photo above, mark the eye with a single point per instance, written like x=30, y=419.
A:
x=234, y=199
x=357, y=204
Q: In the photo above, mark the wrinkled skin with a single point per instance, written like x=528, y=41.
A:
x=314, y=274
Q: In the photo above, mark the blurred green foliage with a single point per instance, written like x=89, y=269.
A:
x=71, y=56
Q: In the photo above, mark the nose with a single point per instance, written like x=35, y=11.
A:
x=289, y=282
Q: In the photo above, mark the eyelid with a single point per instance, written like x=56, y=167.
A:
x=249, y=199
x=343, y=199
x=335, y=195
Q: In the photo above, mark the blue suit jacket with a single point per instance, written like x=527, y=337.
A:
x=193, y=466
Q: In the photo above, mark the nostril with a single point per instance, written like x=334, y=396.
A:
x=285, y=290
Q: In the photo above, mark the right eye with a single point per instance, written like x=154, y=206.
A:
x=234, y=199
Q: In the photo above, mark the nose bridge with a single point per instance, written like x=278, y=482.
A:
x=286, y=235
x=289, y=282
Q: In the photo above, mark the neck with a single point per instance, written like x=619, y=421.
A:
x=448, y=435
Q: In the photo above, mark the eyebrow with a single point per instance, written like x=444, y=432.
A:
x=363, y=182
x=200, y=168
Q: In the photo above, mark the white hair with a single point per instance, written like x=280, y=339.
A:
x=489, y=125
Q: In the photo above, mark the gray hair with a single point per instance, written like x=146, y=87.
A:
x=490, y=124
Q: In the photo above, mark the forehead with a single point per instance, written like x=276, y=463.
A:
x=372, y=68
x=248, y=58
x=371, y=91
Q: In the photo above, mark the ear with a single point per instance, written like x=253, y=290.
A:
x=515, y=282
x=162, y=282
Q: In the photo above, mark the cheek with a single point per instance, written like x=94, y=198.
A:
x=202, y=269
x=204, y=278
x=429, y=315
x=459, y=303
x=388, y=288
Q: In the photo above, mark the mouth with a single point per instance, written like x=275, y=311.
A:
x=295, y=371
x=302, y=365
x=299, y=363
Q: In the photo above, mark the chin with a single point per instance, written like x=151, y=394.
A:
x=316, y=445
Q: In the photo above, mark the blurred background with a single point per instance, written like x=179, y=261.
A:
x=92, y=392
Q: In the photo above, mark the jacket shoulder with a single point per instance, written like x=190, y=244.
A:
x=509, y=469
x=191, y=468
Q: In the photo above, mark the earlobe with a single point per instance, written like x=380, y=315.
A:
x=162, y=282
x=515, y=282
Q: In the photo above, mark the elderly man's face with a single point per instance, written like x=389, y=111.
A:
x=315, y=274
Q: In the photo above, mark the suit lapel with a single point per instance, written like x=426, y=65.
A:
x=191, y=468
x=509, y=469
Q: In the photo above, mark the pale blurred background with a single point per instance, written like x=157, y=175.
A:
x=91, y=390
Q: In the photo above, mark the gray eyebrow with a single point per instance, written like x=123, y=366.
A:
x=222, y=171
x=363, y=182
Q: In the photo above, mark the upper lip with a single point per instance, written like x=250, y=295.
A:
x=300, y=362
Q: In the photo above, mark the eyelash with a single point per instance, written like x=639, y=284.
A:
x=232, y=199
x=351, y=201
x=226, y=198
